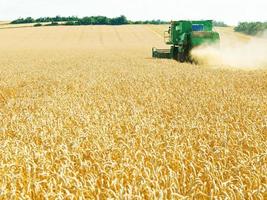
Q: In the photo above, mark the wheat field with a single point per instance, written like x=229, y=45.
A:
x=86, y=113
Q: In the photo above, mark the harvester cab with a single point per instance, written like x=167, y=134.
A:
x=183, y=36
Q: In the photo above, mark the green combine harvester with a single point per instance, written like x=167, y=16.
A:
x=183, y=36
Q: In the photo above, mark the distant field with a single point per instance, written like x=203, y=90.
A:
x=7, y=25
x=86, y=112
x=3, y=22
x=229, y=32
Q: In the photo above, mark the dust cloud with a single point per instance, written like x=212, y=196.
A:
x=235, y=50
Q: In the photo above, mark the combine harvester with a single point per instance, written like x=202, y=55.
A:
x=183, y=36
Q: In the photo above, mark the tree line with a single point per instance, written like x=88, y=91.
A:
x=219, y=24
x=251, y=28
x=93, y=20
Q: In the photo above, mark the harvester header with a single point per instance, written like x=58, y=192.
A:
x=183, y=36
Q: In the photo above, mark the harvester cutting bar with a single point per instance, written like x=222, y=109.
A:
x=161, y=53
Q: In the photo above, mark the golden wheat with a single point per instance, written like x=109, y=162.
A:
x=85, y=113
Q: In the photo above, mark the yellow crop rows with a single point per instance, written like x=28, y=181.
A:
x=86, y=113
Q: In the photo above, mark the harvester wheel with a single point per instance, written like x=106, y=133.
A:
x=181, y=57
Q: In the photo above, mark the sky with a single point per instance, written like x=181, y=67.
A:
x=229, y=11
